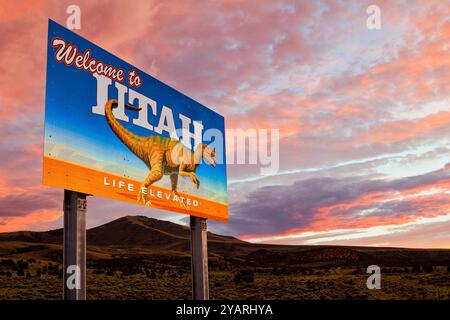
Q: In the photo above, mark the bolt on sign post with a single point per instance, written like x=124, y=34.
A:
x=113, y=131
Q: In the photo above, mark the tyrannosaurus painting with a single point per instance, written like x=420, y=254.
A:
x=162, y=156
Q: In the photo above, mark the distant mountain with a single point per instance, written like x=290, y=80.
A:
x=129, y=231
x=135, y=232
x=52, y=236
x=132, y=231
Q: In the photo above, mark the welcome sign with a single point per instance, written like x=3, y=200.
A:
x=114, y=131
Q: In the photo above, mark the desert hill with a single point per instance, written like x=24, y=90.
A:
x=153, y=236
x=136, y=257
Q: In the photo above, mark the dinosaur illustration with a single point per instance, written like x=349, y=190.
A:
x=163, y=156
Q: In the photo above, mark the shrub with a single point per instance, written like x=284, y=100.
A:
x=173, y=274
x=385, y=270
x=52, y=270
x=428, y=269
x=7, y=263
x=356, y=271
x=417, y=269
x=308, y=272
x=150, y=273
x=20, y=273
x=244, y=276
x=22, y=264
x=8, y=274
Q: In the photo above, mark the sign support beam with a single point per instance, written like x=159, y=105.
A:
x=74, y=255
x=199, y=251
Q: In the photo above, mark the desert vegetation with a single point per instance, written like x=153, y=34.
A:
x=142, y=258
x=42, y=279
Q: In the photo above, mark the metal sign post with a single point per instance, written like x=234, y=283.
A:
x=74, y=259
x=199, y=251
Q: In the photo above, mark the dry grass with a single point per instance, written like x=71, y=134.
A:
x=176, y=284
x=34, y=271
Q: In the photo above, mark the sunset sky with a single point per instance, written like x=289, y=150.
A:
x=364, y=115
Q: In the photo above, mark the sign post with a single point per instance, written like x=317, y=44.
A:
x=199, y=251
x=74, y=260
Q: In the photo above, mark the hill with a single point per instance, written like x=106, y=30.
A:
x=143, y=258
x=129, y=231
x=151, y=235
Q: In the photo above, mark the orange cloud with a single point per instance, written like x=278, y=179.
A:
x=37, y=220
x=242, y=59
x=428, y=200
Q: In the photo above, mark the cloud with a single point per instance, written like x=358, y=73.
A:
x=324, y=204
x=349, y=102
x=26, y=201
x=422, y=233
x=36, y=220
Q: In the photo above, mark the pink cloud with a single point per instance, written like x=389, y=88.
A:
x=36, y=220
x=264, y=65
